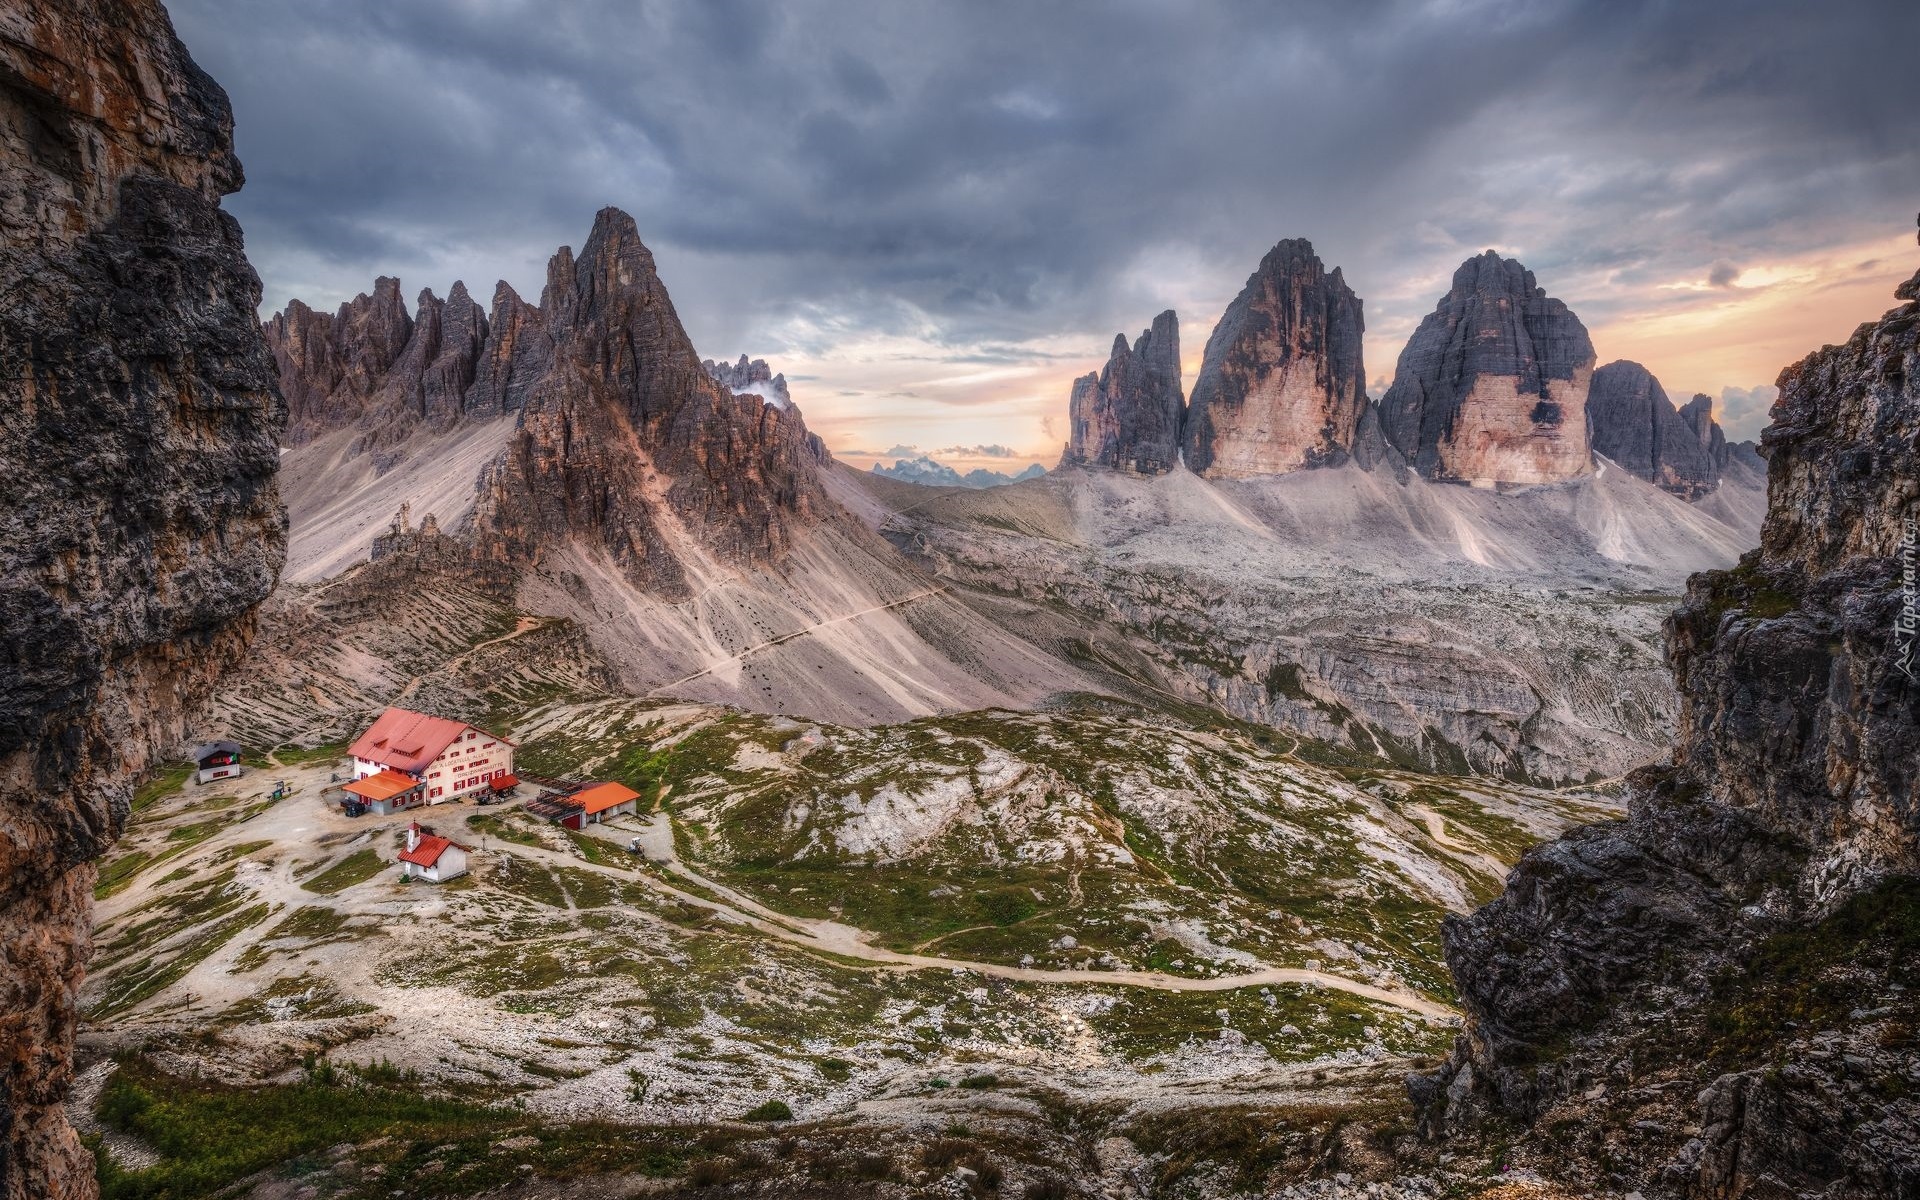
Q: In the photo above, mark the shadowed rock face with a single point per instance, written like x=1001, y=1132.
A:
x=1492, y=387
x=141, y=527
x=516, y=354
x=1282, y=385
x=375, y=367
x=1128, y=416
x=629, y=445
x=1731, y=971
x=1635, y=425
x=330, y=367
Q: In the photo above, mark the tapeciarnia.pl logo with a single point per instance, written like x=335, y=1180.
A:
x=1906, y=629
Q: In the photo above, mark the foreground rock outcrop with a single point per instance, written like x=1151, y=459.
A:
x=141, y=525
x=1128, y=416
x=1283, y=384
x=1492, y=387
x=1718, y=996
x=1633, y=423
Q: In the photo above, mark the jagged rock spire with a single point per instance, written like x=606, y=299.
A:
x=1283, y=384
x=1634, y=424
x=1128, y=416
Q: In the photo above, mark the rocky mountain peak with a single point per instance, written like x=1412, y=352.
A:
x=516, y=352
x=450, y=372
x=557, y=295
x=627, y=446
x=1492, y=387
x=1128, y=415
x=1634, y=424
x=1282, y=385
x=622, y=439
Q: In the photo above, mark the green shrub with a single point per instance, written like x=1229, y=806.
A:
x=772, y=1110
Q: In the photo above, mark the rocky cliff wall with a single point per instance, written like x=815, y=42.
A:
x=1283, y=385
x=1492, y=387
x=1720, y=995
x=139, y=523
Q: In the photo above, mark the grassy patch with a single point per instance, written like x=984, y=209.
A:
x=357, y=867
x=163, y=782
x=209, y=1136
x=1253, y=1144
x=133, y=985
x=505, y=829
x=772, y=1110
x=1805, y=980
x=119, y=872
x=294, y=756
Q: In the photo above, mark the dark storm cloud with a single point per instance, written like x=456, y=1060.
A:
x=978, y=176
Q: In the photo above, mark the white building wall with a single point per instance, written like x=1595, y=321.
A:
x=466, y=766
x=452, y=864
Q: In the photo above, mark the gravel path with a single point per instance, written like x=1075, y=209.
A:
x=847, y=941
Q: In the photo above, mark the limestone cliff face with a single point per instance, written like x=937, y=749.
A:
x=1492, y=387
x=1128, y=416
x=629, y=445
x=1719, y=994
x=622, y=439
x=1282, y=385
x=516, y=353
x=139, y=523
x=1634, y=424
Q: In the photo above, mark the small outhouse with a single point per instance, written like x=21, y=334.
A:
x=216, y=760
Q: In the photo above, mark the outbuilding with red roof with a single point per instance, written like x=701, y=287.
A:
x=603, y=800
x=588, y=804
x=431, y=857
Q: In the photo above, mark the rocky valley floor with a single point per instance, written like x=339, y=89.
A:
x=1033, y=927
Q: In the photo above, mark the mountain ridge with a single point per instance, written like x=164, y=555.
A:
x=1493, y=389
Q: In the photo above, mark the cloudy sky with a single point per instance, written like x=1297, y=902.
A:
x=933, y=216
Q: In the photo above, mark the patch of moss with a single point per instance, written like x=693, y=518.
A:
x=210, y=1136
